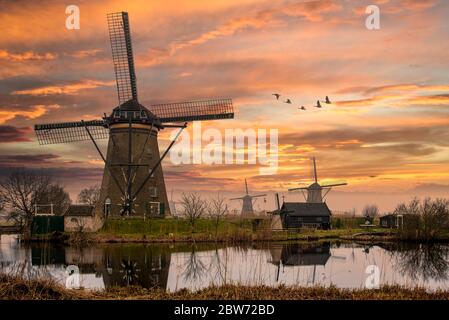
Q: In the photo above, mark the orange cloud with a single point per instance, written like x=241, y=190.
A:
x=428, y=100
x=36, y=112
x=312, y=11
x=85, y=53
x=65, y=89
x=27, y=55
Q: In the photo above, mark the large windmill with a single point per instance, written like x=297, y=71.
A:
x=247, y=200
x=133, y=181
x=315, y=190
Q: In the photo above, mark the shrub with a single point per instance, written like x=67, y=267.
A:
x=425, y=220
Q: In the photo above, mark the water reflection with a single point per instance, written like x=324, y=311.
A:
x=194, y=268
x=299, y=255
x=420, y=261
x=173, y=267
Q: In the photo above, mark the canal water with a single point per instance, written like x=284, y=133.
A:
x=173, y=267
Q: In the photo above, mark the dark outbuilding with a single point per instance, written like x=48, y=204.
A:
x=303, y=214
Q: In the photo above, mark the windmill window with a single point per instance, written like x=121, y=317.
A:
x=143, y=114
x=153, y=192
x=117, y=114
x=319, y=219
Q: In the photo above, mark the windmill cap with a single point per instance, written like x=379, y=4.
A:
x=134, y=106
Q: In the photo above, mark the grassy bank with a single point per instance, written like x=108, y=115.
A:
x=229, y=230
x=23, y=289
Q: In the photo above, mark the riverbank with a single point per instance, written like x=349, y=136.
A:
x=228, y=230
x=16, y=288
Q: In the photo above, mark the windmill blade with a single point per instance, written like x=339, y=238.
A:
x=122, y=55
x=65, y=132
x=334, y=185
x=194, y=110
x=236, y=199
x=301, y=188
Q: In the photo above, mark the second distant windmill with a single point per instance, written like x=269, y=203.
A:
x=247, y=202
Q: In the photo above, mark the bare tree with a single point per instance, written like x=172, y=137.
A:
x=217, y=209
x=435, y=217
x=55, y=195
x=21, y=190
x=90, y=195
x=370, y=212
x=424, y=219
x=194, y=207
x=2, y=204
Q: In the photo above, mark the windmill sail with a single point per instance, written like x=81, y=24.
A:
x=70, y=131
x=122, y=55
x=194, y=110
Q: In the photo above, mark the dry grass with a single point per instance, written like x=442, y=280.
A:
x=235, y=292
x=18, y=288
x=12, y=287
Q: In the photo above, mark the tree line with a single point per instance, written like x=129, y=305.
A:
x=24, y=191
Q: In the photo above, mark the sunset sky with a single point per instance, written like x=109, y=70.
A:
x=387, y=133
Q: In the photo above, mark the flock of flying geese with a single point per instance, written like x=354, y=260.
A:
x=318, y=102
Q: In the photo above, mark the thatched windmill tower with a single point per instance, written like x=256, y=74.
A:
x=133, y=181
x=247, y=202
x=315, y=190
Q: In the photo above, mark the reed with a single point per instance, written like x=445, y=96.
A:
x=17, y=288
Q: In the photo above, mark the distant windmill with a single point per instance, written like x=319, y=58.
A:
x=247, y=206
x=315, y=190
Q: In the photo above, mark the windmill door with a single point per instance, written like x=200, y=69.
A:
x=153, y=209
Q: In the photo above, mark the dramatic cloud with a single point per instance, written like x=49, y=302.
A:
x=386, y=132
x=85, y=53
x=34, y=112
x=18, y=160
x=13, y=134
x=73, y=88
x=24, y=56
